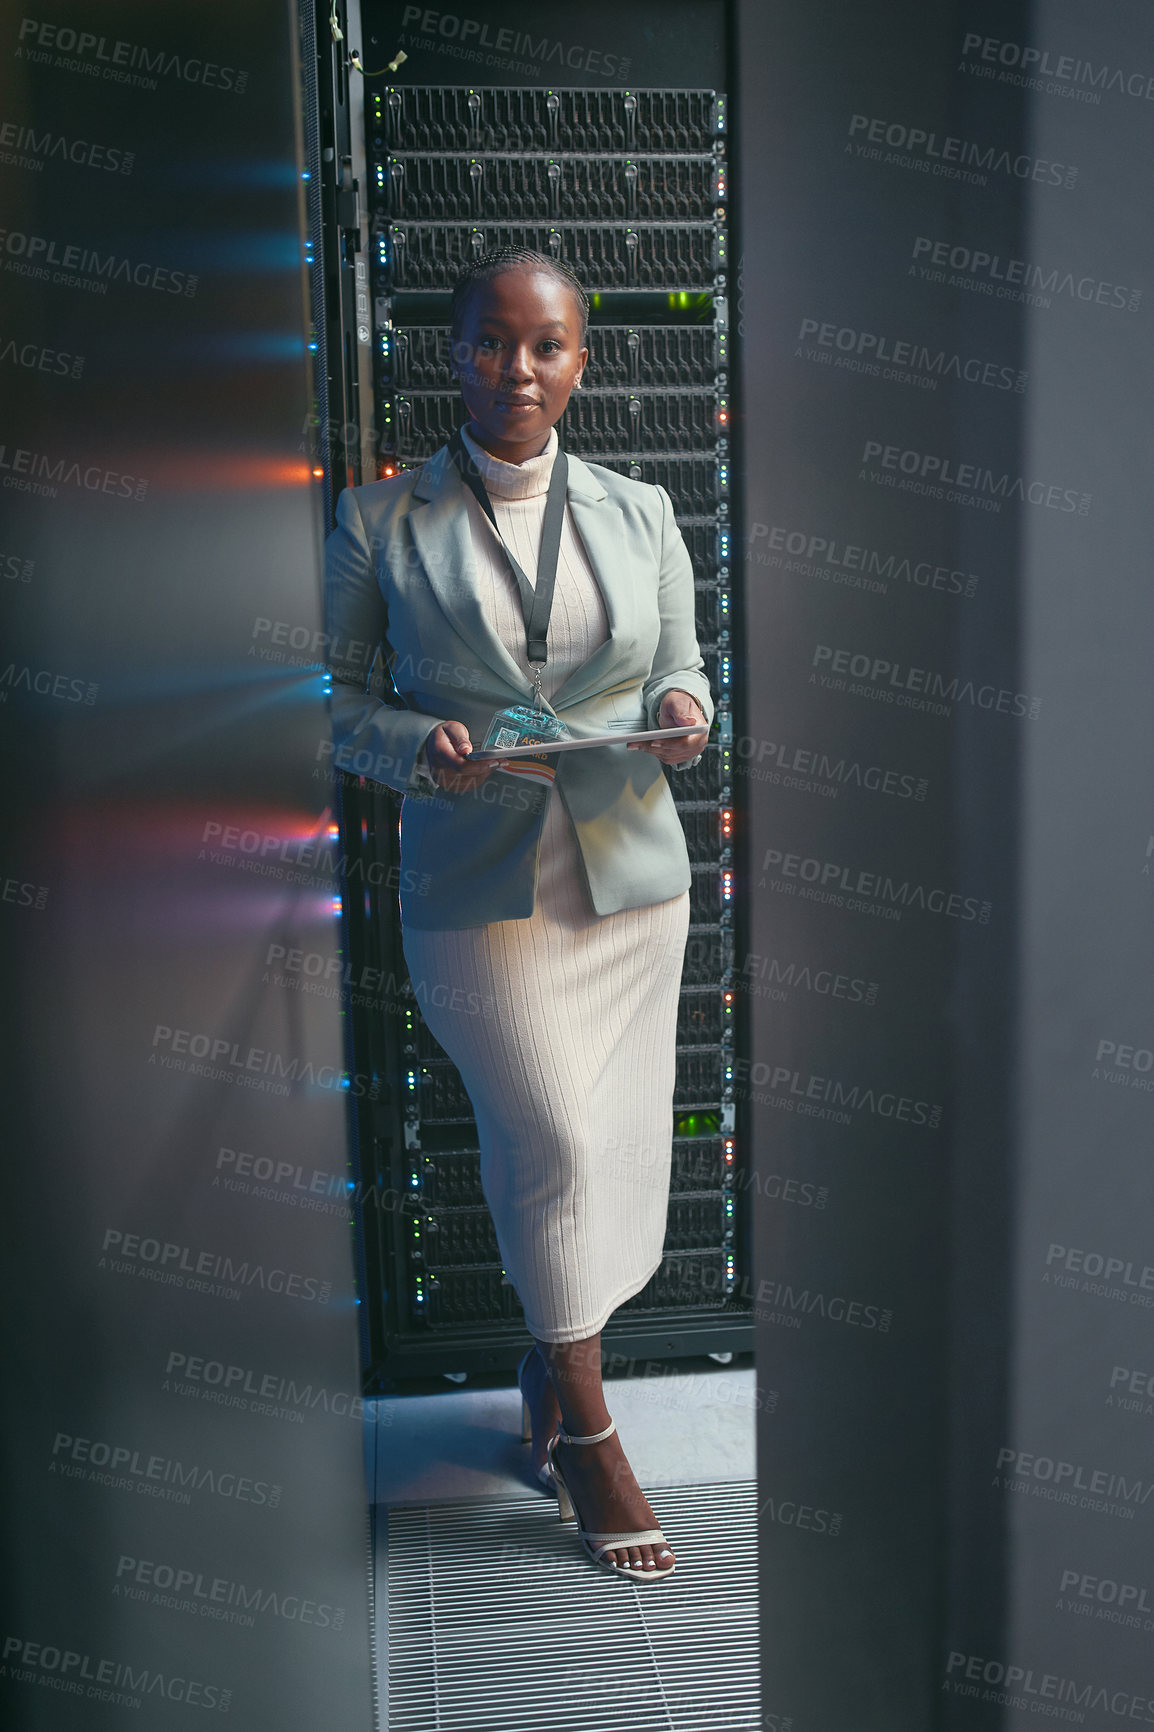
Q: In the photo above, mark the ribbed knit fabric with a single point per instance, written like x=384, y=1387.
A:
x=570, y=1066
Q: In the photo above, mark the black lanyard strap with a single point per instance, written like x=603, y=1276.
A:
x=536, y=601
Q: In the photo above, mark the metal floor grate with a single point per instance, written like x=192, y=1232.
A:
x=498, y=1622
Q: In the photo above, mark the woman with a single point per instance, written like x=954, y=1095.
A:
x=560, y=906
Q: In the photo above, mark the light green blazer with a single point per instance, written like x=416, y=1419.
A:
x=399, y=575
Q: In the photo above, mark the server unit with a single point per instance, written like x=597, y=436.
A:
x=628, y=187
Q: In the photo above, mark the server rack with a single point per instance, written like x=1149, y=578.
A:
x=629, y=188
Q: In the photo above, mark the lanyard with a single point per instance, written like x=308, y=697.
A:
x=536, y=602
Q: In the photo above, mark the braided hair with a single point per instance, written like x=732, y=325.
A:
x=502, y=259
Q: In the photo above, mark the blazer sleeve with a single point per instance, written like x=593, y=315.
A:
x=677, y=663
x=370, y=737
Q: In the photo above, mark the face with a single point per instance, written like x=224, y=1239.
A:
x=517, y=358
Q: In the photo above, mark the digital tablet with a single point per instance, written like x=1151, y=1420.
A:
x=620, y=739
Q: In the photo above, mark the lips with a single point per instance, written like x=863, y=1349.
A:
x=518, y=402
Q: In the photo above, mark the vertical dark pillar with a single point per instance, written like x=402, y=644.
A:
x=188, y=1529
x=944, y=324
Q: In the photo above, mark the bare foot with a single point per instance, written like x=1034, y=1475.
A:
x=609, y=1500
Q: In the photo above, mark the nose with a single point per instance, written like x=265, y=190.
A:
x=519, y=365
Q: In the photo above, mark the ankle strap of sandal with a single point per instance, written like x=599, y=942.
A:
x=596, y=1437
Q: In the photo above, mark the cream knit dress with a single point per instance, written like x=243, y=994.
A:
x=571, y=1072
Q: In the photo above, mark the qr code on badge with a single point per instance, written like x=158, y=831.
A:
x=506, y=737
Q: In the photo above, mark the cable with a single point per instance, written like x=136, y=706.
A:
x=338, y=35
x=394, y=63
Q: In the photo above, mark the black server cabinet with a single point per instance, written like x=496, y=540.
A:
x=629, y=187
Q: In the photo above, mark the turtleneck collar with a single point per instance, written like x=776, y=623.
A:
x=513, y=480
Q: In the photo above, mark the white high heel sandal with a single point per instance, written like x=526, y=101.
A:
x=544, y=1472
x=598, y=1544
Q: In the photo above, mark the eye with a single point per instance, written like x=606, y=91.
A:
x=486, y=341
x=549, y=344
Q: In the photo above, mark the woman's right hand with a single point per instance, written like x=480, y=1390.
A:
x=447, y=751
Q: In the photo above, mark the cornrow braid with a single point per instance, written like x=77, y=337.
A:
x=502, y=259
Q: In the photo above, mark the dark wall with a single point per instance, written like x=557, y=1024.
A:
x=188, y=1529
x=944, y=311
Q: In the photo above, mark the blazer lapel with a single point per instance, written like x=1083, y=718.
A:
x=601, y=527
x=440, y=530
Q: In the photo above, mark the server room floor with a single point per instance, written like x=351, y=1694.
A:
x=692, y=1424
x=479, y=1590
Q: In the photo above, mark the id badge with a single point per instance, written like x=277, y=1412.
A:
x=521, y=725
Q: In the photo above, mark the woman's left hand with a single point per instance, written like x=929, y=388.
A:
x=677, y=709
